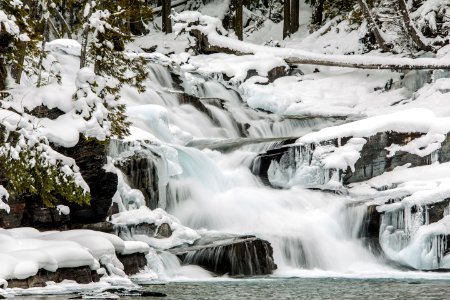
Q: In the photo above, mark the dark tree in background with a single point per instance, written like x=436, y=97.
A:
x=295, y=15
x=238, y=26
x=317, y=14
x=166, y=22
x=287, y=19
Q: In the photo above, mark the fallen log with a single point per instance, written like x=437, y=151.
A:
x=209, y=41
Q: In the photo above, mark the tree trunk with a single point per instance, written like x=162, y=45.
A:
x=17, y=66
x=3, y=76
x=64, y=23
x=410, y=29
x=287, y=19
x=85, y=40
x=317, y=14
x=295, y=15
x=373, y=26
x=238, y=27
x=166, y=21
x=42, y=56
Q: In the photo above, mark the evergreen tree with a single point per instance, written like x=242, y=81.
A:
x=102, y=50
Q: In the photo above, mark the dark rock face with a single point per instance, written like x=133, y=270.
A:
x=90, y=156
x=26, y=211
x=14, y=218
x=43, y=111
x=133, y=263
x=262, y=162
x=164, y=231
x=374, y=158
x=370, y=230
x=436, y=210
x=80, y=275
x=142, y=174
x=232, y=255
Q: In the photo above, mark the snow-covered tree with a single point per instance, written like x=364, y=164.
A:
x=102, y=50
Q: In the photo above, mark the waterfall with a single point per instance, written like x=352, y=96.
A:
x=210, y=191
x=307, y=229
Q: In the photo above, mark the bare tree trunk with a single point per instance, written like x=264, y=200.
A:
x=287, y=19
x=166, y=21
x=54, y=29
x=41, y=58
x=85, y=40
x=373, y=26
x=3, y=76
x=238, y=27
x=295, y=15
x=63, y=21
x=410, y=29
x=17, y=66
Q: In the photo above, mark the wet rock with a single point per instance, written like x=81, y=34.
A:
x=374, y=160
x=164, y=231
x=370, y=230
x=262, y=162
x=228, y=254
x=436, y=211
x=43, y=111
x=133, y=263
x=141, y=170
x=80, y=275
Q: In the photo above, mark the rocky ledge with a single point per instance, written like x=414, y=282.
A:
x=229, y=254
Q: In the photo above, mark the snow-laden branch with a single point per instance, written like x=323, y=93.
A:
x=211, y=38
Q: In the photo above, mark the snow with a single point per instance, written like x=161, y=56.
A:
x=412, y=120
x=180, y=234
x=63, y=209
x=235, y=66
x=24, y=251
x=215, y=33
x=4, y=195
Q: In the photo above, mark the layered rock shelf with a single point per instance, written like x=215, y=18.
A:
x=232, y=255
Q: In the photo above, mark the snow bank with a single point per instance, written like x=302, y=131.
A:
x=24, y=251
x=236, y=67
x=411, y=120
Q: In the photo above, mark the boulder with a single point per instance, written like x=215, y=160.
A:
x=80, y=275
x=229, y=254
x=133, y=263
x=141, y=170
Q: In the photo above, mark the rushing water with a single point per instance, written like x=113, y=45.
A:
x=308, y=230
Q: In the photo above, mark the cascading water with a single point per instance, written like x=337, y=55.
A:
x=307, y=229
x=218, y=192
